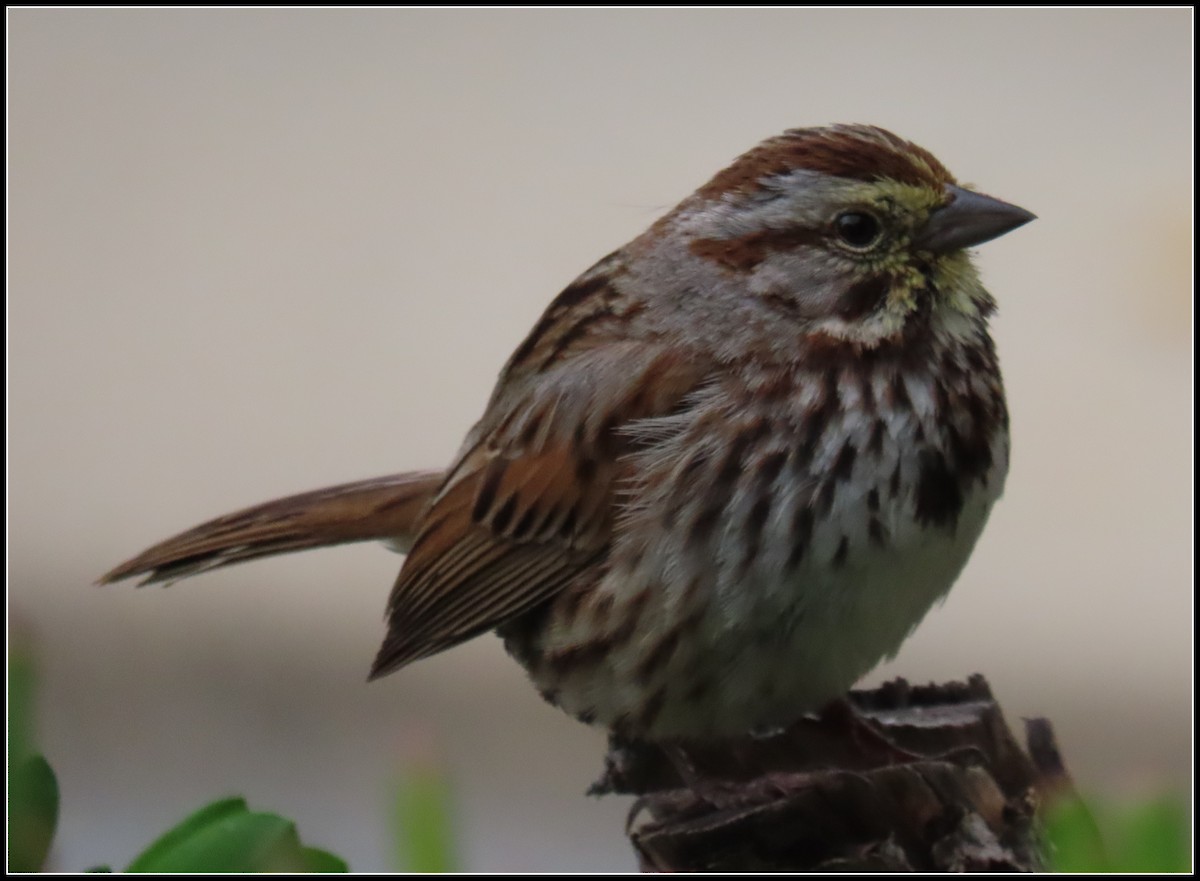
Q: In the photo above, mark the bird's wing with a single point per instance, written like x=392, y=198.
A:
x=530, y=502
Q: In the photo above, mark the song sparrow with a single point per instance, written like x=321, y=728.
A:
x=730, y=468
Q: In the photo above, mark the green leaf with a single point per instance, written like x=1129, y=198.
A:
x=32, y=814
x=1075, y=841
x=32, y=786
x=317, y=860
x=226, y=836
x=1153, y=837
x=20, y=705
x=424, y=829
x=177, y=836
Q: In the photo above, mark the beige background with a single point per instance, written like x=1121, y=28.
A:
x=253, y=252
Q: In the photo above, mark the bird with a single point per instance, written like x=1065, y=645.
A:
x=726, y=473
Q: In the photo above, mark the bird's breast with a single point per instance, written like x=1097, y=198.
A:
x=772, y=555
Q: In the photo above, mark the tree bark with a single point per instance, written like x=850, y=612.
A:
x=900, y=778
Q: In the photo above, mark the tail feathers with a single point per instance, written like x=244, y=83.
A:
x=383, y=508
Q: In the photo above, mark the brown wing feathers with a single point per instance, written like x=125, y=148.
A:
x=487, y=551
x=525, y=513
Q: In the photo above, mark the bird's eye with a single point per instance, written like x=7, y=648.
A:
x=857, y=229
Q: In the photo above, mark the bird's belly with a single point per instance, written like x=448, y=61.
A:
x=805, y=640
x=753, y=651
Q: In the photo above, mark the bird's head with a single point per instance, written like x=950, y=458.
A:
x=848, y=229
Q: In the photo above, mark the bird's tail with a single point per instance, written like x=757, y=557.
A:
x=383, y=508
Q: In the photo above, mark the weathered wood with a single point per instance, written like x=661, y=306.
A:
x=925, y=778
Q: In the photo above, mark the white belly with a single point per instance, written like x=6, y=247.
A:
x=841, y=622
x=767, y=615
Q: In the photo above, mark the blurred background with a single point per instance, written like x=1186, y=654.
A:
x=256, y=252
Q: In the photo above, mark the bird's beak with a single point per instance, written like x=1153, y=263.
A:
x=968, y=219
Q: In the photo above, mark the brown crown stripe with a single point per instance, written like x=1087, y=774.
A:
x=857, y=152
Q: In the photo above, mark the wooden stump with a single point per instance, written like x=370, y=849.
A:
x=925, y=778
